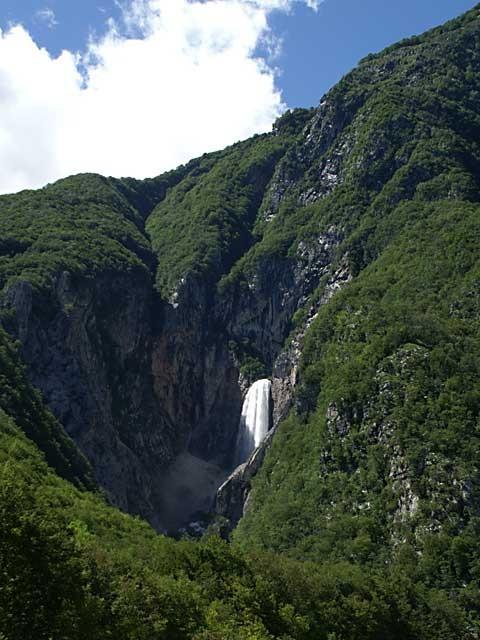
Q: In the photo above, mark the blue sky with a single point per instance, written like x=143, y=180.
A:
x=318, y=48
x=136, y=87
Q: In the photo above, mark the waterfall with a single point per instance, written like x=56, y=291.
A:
x=255, y=419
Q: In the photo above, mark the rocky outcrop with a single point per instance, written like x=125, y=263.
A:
x=232, y=497
x=195, y=372
x=88, y=347
x=195, y=375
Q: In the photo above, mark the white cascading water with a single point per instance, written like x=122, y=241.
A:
x=255, y=419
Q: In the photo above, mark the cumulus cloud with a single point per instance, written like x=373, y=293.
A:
x=175, y=79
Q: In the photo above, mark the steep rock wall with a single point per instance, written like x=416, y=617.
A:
x=88, y=349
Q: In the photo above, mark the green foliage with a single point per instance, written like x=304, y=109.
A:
x=206, y=222
x=406, y=128
x=379, y=462
x=252, y=369
x=81, y=224
x=293, y=121
x=71, y=567
x=43, y=590
x=390, y=406
x=19, y=399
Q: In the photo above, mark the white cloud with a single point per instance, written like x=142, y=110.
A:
x=47, y=16
x=186, y=83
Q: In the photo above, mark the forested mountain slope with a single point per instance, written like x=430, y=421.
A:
x=73, y=568
x=339, y=257
x=383, y=445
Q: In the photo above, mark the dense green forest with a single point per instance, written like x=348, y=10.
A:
x=396, y=350
x=71, y=567
x=363, y=522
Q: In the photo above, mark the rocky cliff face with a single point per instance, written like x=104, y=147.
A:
x=148, y=384
x=151, y=386
x=232, y=497
x=197, y=374
x=88, y=347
